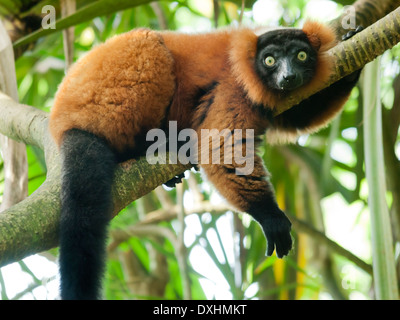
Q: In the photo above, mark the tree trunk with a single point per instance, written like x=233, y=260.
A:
x=13, y=153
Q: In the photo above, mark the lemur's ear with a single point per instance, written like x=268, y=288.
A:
x=320, y=36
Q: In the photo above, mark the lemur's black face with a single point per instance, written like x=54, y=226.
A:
x=285, y=59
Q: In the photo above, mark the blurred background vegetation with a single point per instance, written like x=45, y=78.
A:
x=214, y=253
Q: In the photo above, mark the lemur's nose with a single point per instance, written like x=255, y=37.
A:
x=289, y=77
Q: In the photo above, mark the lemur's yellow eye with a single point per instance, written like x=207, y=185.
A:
x=302, y=56
x=269, y=61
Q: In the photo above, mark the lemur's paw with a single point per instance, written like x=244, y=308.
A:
x=276, y=227
x=351, y=33
x=174, y=181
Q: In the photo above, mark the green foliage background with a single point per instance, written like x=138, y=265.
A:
x=315, y=180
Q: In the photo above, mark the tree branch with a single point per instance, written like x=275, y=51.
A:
x=152, y=218
x=367, y=12
x=13, y=153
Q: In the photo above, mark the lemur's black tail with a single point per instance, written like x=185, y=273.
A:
x=86, y=205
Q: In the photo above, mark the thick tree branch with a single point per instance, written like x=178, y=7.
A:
x=22, y=123
x=32, y=225
x=367, y=12
x=40, y=211
x=13, y=153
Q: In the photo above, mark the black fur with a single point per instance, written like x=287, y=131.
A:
x=275, y=225
x=204, y=99
x=86, y=206
x=201, y=92
x=174, y=181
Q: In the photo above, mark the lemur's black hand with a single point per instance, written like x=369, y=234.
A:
x=175, y=180
x=276, y=227
x=351, y=33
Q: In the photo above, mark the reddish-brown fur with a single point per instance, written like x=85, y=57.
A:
x=126, y=84
x=142, y=79
x=117, y=89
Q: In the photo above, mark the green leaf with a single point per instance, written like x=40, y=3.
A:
x=268, y=262
x=384, y=264
x=9, y=6
x=89, y=12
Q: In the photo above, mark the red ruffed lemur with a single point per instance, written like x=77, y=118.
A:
x=141, y=80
